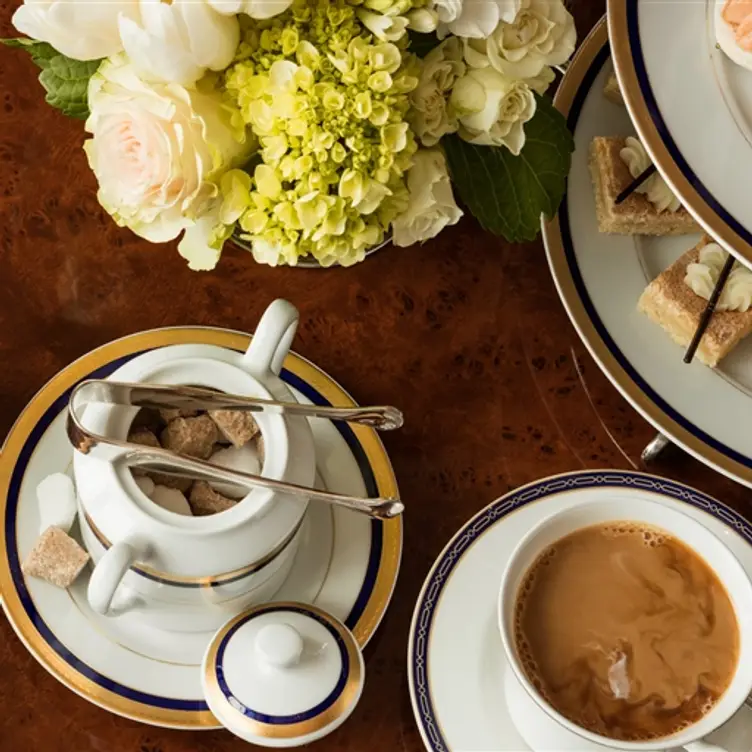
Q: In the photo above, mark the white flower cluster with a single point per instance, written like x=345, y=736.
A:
x=481, y=81
x=174, y=111
x=174, y=42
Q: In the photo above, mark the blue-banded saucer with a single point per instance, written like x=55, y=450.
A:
x=155, y=677
x=600, y=278
x=692, y=106
x=456, y=663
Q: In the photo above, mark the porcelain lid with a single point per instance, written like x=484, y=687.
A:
x=283, y=674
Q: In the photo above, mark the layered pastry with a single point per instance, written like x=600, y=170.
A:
x=733, y=30
x=612, y=91
x=677, y=298
x=652, y=209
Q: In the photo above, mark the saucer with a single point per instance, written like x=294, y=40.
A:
x=600, y=279
x=456, y=666
x=692, y=107
x=347, y=564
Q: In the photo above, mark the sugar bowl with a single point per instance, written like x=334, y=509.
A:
x=190, y=573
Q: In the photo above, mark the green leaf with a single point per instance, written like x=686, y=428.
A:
x=65, y=80
x=422, y=44
x=508, y=194
x=41, y=52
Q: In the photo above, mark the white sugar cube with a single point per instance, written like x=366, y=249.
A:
x=146, y=484
x=56, y=496
x=245, y=458
x=171, y=499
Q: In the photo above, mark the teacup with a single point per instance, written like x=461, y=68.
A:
x=684, y=529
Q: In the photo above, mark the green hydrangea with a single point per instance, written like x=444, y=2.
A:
x=327, y=100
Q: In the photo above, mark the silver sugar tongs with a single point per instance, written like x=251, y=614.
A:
x=163, y=460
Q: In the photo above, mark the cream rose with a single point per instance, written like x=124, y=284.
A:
x=179, y=41
x=478, y=18
x=258, y=9
x=426, y=17
x=80, y=29
x=541, y=35
x=431, y=115
x=159, y=151
x=492, y=109
x=447, y=10
x=432, y=206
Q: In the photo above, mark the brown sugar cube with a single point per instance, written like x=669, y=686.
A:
x=148, y=418
x=237, y=426
x=205, y=500
x=192, y=436
x=635, y=215
x=169, y=414
x=144, y=437
x=673, y=305
x=55, y=558
x=171, y=481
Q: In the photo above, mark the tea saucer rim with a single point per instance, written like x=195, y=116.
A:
x=498, y=512
x=386, y=538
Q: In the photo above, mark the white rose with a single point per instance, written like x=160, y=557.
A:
x=179, y=41
x=158, y=151
x=542, y=34
x=80, y=29
x=431, y=116
x=492, y=109
x=254, y=8
x=448, y=10
x=426, y=18
x=432, y=206
x=478, y=18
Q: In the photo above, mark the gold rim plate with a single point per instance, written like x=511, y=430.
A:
x=593, y=47
x=624, y=55
x=386, y=541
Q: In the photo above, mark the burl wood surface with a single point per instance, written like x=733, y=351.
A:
x=466, y=334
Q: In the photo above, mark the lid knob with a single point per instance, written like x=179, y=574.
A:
x=279, y=645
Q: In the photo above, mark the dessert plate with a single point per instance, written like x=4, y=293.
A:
x=692, y=107
x=460, y=689
x=347, y=564
x=601, y=277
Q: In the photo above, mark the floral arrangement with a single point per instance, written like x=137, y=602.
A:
x=310, y=128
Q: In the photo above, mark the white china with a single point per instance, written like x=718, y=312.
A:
x=206, y=567
x=692, y=106
x=465, y=695
x=680, y=526
x=346, y=564
x=601, y=277
x=283, y=675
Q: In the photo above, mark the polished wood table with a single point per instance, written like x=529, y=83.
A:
x=465, y=333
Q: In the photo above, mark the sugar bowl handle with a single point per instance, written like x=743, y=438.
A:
x=272, y=339
x=107, y=575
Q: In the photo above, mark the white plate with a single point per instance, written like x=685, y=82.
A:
x=601, y=277
x=456, y=665
x=692, y=107
x=347, y=564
